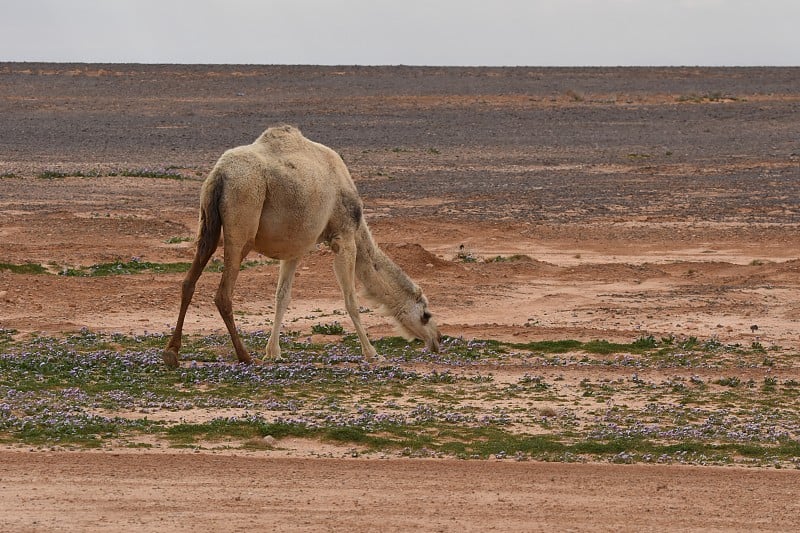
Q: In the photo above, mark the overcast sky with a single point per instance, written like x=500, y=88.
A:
x=409, y=32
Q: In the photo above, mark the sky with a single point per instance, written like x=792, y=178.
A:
x=405, y=32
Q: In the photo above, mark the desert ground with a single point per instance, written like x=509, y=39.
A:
x=633, y=201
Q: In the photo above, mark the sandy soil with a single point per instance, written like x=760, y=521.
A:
x=181, y=492
x=644, y=201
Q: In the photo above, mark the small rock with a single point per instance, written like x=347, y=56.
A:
x=269, y=440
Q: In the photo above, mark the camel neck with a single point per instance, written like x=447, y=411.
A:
x=381, y=279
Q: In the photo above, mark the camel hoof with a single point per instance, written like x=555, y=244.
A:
x=245, y=359
x=273, y=350
x=170, y=356
x=371, y=355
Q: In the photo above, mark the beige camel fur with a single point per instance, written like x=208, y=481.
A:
x=281, y=196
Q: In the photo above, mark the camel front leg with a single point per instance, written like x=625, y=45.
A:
x=345, y=267
x=283, y=295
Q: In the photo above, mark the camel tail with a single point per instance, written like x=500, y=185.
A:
x=210, y=227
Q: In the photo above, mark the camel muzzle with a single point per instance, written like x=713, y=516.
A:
x=433, y=344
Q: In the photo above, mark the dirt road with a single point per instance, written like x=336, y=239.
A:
x=191, y=492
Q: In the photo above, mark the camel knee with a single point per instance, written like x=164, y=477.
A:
x=283, y=298
x=189, y=283
x=187, y=288
x=223, y=303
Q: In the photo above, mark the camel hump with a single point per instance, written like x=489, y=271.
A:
x=282, y=139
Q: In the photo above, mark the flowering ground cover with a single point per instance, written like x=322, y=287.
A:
x=667, y=400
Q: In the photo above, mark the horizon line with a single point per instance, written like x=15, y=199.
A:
x=386, y=65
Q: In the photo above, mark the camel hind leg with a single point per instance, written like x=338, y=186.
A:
x=207, y=241
x=234, y=254
x=199, y=262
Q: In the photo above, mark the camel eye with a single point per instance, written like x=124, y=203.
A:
x=426, y=316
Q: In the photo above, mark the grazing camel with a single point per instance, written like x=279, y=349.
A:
x=281, y=196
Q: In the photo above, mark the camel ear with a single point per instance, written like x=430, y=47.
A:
x=426, y=317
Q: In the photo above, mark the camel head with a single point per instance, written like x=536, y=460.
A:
x=415, y=321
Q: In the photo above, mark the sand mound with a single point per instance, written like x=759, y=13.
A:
x=413, y=258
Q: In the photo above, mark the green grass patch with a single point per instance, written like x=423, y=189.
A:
x=217, y=429
x=603, y=347
x=177, y=240
x=599, y=347
x=161, y=173
x=133, y=266
x=334, y=328
x=25, y=268
x=557, y=346
x=59, y=174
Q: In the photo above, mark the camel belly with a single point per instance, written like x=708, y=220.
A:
x=282, y=240
x=296, y=211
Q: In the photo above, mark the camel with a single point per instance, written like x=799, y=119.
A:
x=281, y=196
